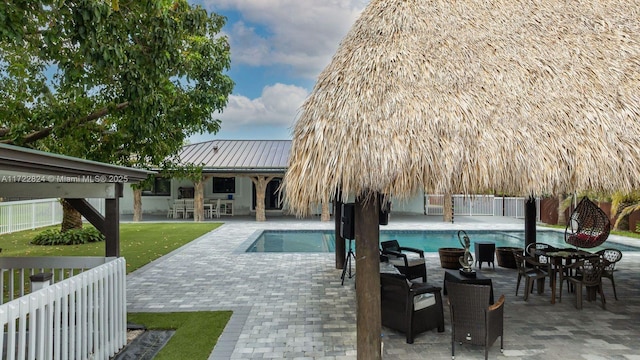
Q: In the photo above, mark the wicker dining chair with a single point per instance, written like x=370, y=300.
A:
x=534, y=250
x=531, y=274
x=612, y=256
x=473, y=319
x=586, y=273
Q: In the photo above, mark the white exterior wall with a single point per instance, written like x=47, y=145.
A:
x=160, y=204
x=414, y=205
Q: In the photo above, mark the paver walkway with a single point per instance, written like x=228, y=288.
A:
x=292, y=306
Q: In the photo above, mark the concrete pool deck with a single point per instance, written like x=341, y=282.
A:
x=292, y=305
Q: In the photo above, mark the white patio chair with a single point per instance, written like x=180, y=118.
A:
x=178, y=208
x=215, y=209
x=188, y=208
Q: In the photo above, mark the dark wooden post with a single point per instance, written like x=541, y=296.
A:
x=369, y=318
x=340, y=251
x=109, y=224
x=530, y=221
x=112, y=225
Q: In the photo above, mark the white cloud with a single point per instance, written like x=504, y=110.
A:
x=301, y=34
x=278, y=105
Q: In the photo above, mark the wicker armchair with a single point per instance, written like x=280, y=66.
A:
x=536, y=251
x=409, y=307
x=612, y=256
x=473, y=320
x=412, y=267
x=588, y=273
x=535, y=273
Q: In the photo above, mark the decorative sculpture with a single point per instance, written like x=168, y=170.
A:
x=465, y=260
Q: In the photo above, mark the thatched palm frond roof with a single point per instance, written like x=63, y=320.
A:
x=525, y=97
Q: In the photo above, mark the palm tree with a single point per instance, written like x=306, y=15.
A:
x=622, y=205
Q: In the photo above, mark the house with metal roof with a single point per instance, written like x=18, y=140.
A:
x=242, y=174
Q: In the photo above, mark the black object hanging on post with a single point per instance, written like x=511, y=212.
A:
x=385, y=209
x=347, y=228
x=529, y=221
x=337, y=220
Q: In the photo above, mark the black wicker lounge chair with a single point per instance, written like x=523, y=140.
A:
x=473, y=320
x=409, y=307
x=411, y=265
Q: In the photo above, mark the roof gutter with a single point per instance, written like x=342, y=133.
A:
x=245, y=170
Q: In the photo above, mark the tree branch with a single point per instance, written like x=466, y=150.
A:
x=44, y=132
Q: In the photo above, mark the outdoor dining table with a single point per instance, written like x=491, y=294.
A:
x=558, y=262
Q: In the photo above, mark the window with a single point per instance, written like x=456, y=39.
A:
x=159, y=187
x=224, y=185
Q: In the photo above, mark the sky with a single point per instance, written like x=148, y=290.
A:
x=278, y=49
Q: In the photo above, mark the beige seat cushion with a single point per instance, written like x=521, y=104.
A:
x=423, y=301
x=413, y=261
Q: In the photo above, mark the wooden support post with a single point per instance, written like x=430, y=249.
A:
x=340, y=251
x=447, y=208
x=325, y=215
x=198, y=200
x=109, y=224
x=261, y=183
x=112, y=227
x=137, y=204
x=369, y=318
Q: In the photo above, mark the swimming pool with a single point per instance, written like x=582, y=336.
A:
x=429, y=241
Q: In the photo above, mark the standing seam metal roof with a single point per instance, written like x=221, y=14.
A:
x=238, y=154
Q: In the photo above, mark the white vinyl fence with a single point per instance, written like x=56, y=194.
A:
x=79, y=317
x=479, y=205
x=32, y=214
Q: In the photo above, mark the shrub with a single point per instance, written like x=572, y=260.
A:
x=69, y=237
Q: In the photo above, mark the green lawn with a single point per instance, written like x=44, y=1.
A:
x=141, y=243
x=196, y=332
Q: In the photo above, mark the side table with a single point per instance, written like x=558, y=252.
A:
x=485, y=252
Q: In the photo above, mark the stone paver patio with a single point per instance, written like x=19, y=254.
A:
x=292, y=305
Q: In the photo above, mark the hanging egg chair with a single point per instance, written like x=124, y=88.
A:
x=588, y=225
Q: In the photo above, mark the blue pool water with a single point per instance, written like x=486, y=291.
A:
x=429, y=241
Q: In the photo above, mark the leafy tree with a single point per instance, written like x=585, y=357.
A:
x=622, y=205
x=123, y=82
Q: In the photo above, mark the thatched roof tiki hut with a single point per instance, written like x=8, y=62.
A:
x=529, y=98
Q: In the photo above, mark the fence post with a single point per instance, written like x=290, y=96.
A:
x=40, y=281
